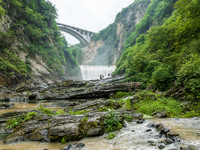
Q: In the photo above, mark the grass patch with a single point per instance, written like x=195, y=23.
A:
x=127, y=104
x=47, y=111
x=146, y=95
x=173, y=107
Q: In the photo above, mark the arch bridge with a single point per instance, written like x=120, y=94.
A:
x=84, y=36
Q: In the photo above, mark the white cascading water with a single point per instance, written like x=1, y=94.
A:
x=94, y=72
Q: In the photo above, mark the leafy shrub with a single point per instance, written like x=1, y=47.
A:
x=12, y=123
x=29, y=115
x=113, y=122
x=111, y=136
x=128, y=118
x=15, y=122
x=163, y=77
x=188, y=76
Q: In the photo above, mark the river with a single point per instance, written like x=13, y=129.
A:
x=133, y=137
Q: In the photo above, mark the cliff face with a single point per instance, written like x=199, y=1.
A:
x=31, y=46
x=129, y=24
x=112, y=38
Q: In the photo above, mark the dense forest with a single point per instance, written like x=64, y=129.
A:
x=168, y=54
x=30, y=27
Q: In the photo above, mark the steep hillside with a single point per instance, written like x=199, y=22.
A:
x=31, y=44
x=168, y=56
x=108, y=44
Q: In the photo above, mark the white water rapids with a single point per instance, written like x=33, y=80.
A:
x=94, y=72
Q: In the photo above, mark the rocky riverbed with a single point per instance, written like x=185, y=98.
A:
x=76, y=111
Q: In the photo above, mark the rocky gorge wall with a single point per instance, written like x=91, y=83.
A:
x=31, y=45
x=107, y=45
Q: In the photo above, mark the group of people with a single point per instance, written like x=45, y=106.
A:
x=102, y=76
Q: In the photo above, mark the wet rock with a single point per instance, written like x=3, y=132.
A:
x=164, y=131
x=193, y=147
x=68, y=147
x=6, y=105
x=159, y=127
x=152, y=143
x=151, y=125
x=160, y=114
x=95, y=131
x=141, y=121
x=189, y=147
x=40, y=136
x=148, y=130
x=80, y=145
x=168, y=141
x=54, y=128
x=161, y=145
x=90, y=105
x=137, y=116
x=172, y=134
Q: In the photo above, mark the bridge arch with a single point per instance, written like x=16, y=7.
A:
x=82, y=35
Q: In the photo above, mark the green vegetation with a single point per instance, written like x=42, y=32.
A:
x=113, y=122
x=44, y=110
x=78, y=54
x=171, y=106
x=149, y=102
x=71, y=112
x=15, y=122
x=127, y=104
x=60, y=112
x=84, y=120
x=111, y=136
x=12, y=123
x=146, y=94
x=167, y=54
x=126, y=23
x=47, y=111
x=34, y=32
x=120, y=94
x=128, y=118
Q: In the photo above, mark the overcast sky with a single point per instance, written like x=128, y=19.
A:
x=93, y=15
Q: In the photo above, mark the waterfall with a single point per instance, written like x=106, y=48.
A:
x=94, y=72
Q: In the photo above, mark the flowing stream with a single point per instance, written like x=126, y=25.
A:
x=132, y=137
x=94, y=72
